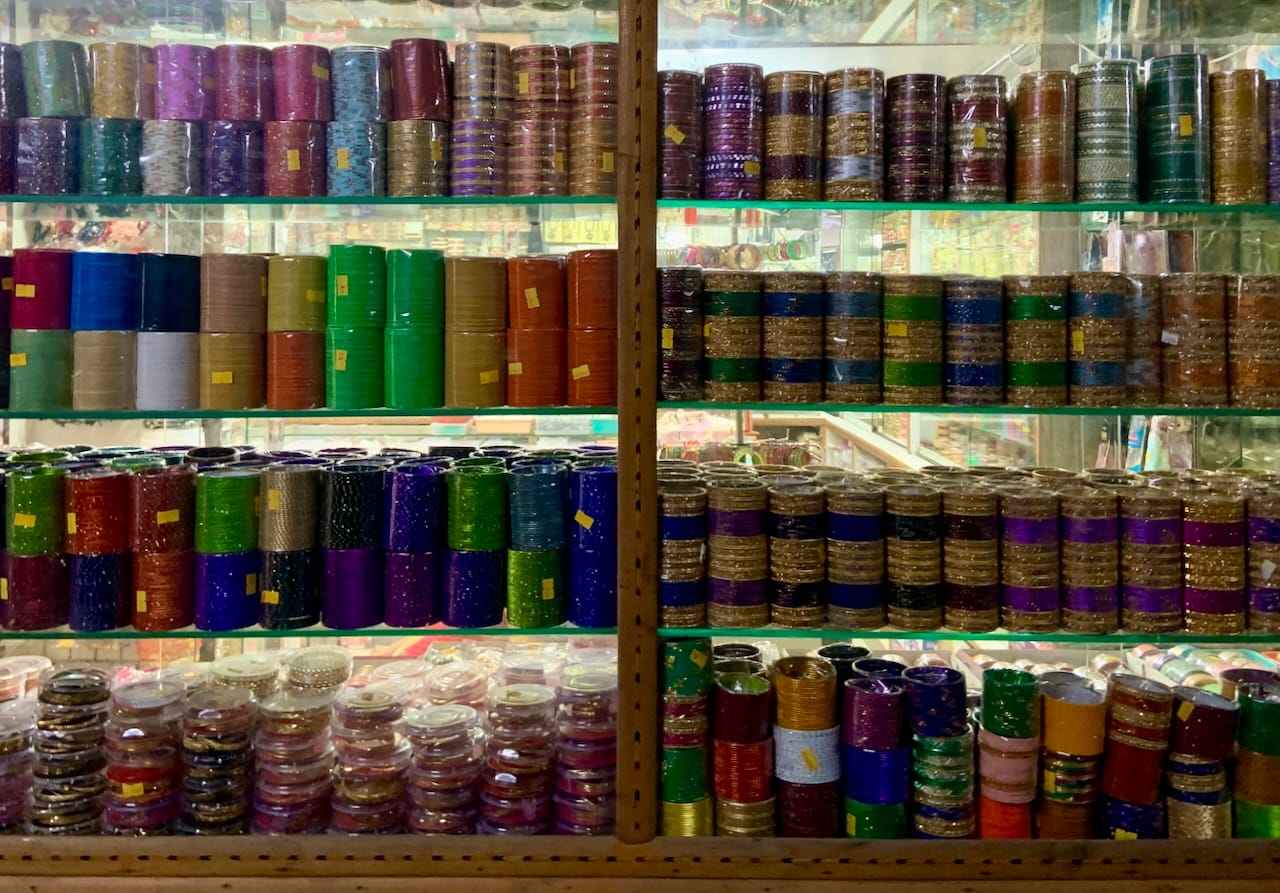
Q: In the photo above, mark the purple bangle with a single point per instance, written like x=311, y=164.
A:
x=1152, y=601
x=1091, y=599
x=1161, y=532
x=737, y=593
x=1215, y=601
x=727, y=523
x=411, y=597
x=1089, y=530
x=1030, y=531
x=353, y=580
x=1213, y=533
x=1264, y=530
x=1265, y=600
x=1030, y=599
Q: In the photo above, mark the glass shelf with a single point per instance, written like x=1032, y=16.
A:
x=1023, y=208
x=312, y=632
x=949, y=635
x=947, y=409
x=321, y=200
x=323, y=413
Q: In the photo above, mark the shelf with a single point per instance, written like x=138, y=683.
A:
x=263, y=413
x=950, y=635
x=320, y=200
x=975, y=207
x=309, y=632
x=946, y=409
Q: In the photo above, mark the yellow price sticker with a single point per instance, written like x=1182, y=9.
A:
x=580, y=372
x=850, y=825
x=341, y=286
x=344, y=159
x=320, y=72
x=1185, y=711
x=675, y=134
x=489, y=377
x=222, y=378
x=1186, y=125
x=751, y=168
x=573, y=78
x=140, y=601
x=585, y=521
x=133, y=789
x=531, y=298
x=273, y=499
x=668, y=339
x=895, y=329
x=315, y=296
x=706, y=330
x=22, y=519
x=606, y=162
x=557, y=162
x=270, y=597
x=523, y=82
x=1050, y=782
x=811, y=760
x=209, y=83
x=4, y=589
x=7, y=283
x=340, y=360
x=250, y=584
x=979, y=137
x=548, y=589
x=25, y=290
x=17, y=359
x=170, y=516
x=515, y=368
x=1122, y=834
x=699, y=657
x=1077, y=342
x=71, y=522
x=293, y=159
x=437, y=151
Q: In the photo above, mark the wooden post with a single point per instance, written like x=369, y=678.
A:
x=637, y=422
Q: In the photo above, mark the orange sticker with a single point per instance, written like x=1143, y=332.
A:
x=7, y=283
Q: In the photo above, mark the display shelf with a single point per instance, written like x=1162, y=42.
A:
x=948, y=409
x=309, y=632
x=58, y=415
x=266, y=201
x=1019, y=207
x=951, y=635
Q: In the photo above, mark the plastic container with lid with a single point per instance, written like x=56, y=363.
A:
x=289, y=750
x=151, y=699
x=367, y=709
x=459, y=682
x=373, y=818
x=453, y=822
x=297, y=773
x=307, y=818
x=256, y=673
x=295, y=713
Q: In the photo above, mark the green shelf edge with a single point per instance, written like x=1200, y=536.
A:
x=311, y=632
x=947, y=635
x=976, y=207
x=59, y=415
x=319, y=200
x=945, y=409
